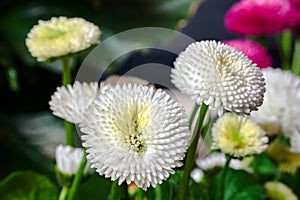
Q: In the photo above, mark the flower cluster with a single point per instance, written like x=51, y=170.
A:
x=133, y=132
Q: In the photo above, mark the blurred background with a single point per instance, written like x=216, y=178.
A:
x=29, y=132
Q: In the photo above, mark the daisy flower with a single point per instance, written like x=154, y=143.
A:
x=238, y=136
x=135, y=133
x=280, y=110
x=255, y=52
x=277, y=190
x=70, y=102
x=61, y=36
x=260, y=17
x=219, y=76
x=68, y=160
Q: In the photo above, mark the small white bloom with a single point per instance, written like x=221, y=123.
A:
x=197, y=175
x=135, y=133
x=61, y=36
x=281, y=106
x=68, y=160
x=70, y=102
x=219, y=76
x=217, y=160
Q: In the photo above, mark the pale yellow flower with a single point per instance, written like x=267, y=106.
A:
x=61, y=36
x=287, y=161
x=238, y=136
x=279, y=191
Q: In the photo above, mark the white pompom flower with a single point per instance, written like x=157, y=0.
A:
x=68, y=160
x=61, y=36
x=135, y=133
x=219, y=76
x=71, y=102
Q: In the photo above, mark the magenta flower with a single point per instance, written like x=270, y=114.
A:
x=295, y=3
x=261, y=17
x=253, y=50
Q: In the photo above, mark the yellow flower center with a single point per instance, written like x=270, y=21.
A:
x=50, y=33
x=132, y=125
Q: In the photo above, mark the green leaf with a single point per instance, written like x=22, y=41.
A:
x=239, y=185
x=263, y=166
x=29, y=185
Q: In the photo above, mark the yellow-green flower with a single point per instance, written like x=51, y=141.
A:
x=279, y=191
x=61, y=36
x=280, y=152
x=238, y=136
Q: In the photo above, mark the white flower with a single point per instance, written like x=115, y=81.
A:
x=68, y=160
x=219, y=76
x=61, y=36
x=217, y=160
x=197, y=175
x=238, y=136
x=70, y=102
x=281, y=107
x=135, y=133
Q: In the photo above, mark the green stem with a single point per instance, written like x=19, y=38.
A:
x=195, y=109
x=141, y=194
x=296, y=58
x=118, y=192
x=189, y=162
x=77, y=178
x=277, y=175
x=286, y=44
x=64, y=193
x=66, y=79
x=66, y=76
x=13, y=82
x=69, y=127
x=223, y=179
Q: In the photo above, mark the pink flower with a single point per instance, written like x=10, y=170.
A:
x=253, y=50
x=261, y=17
x=295, y=3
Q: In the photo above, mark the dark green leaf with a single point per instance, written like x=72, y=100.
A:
x=262, y=165
x=239, y=185
x=27, y=185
